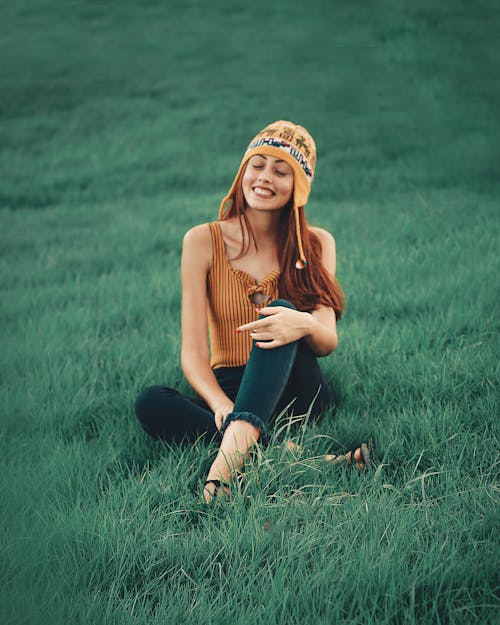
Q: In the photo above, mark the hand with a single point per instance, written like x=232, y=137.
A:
x=283, y=325
x=221, y=413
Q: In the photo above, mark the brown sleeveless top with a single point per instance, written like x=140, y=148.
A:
x=229, y=307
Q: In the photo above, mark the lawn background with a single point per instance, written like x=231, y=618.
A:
x=122, y=126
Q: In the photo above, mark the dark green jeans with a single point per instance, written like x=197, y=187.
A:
x=261, y=389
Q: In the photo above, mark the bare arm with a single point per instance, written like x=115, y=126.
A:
x=322, y=335
x=282, y=325
x=195, y=356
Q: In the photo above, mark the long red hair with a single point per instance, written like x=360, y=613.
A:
x=306, y=288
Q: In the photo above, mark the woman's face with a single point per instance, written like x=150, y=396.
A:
x=267, y=182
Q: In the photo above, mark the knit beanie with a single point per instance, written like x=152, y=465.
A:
x=292, y=143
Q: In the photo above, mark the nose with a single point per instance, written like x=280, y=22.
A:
x=265, y=174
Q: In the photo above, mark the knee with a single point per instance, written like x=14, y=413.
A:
x=146, y=404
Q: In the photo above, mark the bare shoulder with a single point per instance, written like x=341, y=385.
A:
x=198, y=241
x=198, y=234
x=325, y=237
x=328, y=251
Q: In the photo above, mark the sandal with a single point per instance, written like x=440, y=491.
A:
x=365, y=461
x=218, y=484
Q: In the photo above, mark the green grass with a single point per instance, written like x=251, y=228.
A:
x=123, y=126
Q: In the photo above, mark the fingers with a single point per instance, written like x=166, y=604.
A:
x=261, y=336
x=254, y=325
x=219, y=418
x=221, y=413
x=270, y=345
x=271, y=310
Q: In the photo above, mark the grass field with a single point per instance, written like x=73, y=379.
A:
x=121, y=127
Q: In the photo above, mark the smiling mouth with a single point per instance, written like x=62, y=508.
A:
x=263, y=192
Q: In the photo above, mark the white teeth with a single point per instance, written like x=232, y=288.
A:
x=261, y=191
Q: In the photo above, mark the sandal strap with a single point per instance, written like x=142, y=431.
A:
x=217, y=483
x=365, y=454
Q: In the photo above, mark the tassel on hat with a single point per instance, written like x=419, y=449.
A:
x=293, y=144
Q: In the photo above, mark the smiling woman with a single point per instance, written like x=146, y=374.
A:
x=260, y=360
x=256, y=187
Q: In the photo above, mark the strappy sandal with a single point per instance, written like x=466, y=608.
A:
x=218, y=484
x=365, y=462
x=361, y=465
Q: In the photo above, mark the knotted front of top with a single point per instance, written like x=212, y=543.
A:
x=260, y=293
x=229, y=294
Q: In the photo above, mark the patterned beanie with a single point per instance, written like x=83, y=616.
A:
x=293, y=144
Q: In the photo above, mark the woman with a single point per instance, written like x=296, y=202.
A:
x=261, y=281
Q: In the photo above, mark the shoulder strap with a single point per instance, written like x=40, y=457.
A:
x=217, y=243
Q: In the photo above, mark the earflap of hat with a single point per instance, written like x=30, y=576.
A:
x=231, y=192
x=301, y=262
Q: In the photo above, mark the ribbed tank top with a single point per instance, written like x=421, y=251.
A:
x=229, y=307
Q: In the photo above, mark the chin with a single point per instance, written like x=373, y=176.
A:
x=267, y=209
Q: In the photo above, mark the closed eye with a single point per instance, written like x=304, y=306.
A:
x=281, y=173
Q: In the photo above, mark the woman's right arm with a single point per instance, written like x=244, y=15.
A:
x=195, y=355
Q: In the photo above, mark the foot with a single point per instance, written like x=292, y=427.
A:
x=237, y=444
x=211, y=491
x=358, y=457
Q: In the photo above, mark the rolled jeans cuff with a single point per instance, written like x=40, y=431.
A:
x=251, y=418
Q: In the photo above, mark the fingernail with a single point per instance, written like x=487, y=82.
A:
x=238, y=330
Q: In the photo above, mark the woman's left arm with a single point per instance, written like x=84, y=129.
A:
x=284, y=325
x=323, y=338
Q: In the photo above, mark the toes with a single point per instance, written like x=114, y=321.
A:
x=333, y=458
x=353, y=458
x=208, y=493
x=213, y=492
